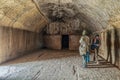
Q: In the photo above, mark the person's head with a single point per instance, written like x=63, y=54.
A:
x=97, y=36
x=84, y=32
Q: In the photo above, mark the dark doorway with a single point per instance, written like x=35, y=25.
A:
x=65, y=41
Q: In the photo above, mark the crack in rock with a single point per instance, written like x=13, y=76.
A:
x=74, y=70
x=36, y=75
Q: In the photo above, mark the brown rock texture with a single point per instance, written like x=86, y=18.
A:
x=15, y=42
x=21, y=14
x=33, y=15
x=69, y=27
x=98, y=14
x=117, y=47
x=110, y=43
x=52, y=41
x=74, y=42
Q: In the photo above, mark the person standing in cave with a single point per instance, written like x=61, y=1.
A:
x=97, y=43
x=84, y=48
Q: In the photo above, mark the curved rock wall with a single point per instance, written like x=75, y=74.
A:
x=21, y=14
x=96, y=13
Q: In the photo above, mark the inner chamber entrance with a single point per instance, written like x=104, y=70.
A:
x=65, y=41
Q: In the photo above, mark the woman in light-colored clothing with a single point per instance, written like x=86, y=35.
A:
x=84, y=47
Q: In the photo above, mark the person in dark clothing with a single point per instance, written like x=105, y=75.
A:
x=97, y=43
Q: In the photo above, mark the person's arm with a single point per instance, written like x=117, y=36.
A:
x=88, y=41
x=80, y=40
x=94, y=40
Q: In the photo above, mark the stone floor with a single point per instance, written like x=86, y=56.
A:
x=56, y=65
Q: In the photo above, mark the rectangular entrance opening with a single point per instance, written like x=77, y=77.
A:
x=65, y=41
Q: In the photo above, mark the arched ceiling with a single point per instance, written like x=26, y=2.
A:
x=115, y=21
x=27, y=14
x=99, y=14
x=21, y=14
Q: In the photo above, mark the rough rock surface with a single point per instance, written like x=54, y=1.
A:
x=96, y=13
x=21, y=14
x=54, y=65
x=16, y=42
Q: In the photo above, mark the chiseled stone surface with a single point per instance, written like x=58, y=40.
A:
x=98, y=14
x=24, y=14
x=21, y=14
x=54, y=65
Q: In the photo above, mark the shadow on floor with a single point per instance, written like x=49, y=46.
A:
x=102, y=64
x=43, y=55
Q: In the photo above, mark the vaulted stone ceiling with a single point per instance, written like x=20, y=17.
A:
x=98, y=14
x=21, y=14
x=27, y=14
